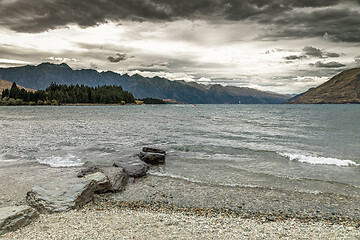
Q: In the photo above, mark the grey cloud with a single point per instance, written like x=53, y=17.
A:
x=309, y=51
x=320, y=64
x=294, y=57
x=316, y=52
x=94, y=66
x=145, y=69
x=313, y=51
x=357, y=59
x=332, y=54
x=42, y=15
x=154, y=64
x=119, y=57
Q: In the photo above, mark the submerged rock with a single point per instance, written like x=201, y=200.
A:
x=152, y=158
x=134, y=167
x=62, y=196
x=153, y=150
x=12, y=218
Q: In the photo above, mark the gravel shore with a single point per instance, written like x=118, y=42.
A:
x=247, y=202
x=162, y=208
x=120, y=223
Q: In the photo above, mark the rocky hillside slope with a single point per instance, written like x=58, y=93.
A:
x=342, y=88
x=7, y=85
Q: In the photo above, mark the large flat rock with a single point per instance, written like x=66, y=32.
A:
x=12, y=218
x=62, y=195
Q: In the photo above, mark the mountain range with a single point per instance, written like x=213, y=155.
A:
x=342, y=88
x=42, y=75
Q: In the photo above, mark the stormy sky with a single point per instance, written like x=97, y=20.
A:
x=285, y=46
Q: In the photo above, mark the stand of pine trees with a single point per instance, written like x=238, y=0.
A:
x=61, y=94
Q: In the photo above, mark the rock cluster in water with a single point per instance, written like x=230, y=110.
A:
x=73, y=193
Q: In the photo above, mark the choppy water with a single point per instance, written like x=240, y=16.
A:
x=273, y=146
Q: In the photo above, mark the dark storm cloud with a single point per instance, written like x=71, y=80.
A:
x=42, y=15
x=336, y=24
x=340, y=23
x=118, y=58
x=328, y=65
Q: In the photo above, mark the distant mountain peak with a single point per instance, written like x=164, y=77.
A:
x=64, y=65
x=48, y=64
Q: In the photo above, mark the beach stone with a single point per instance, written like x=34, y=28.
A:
x=153, y=150
x=12, y=218
x=89, y=170
x=152, y=158
x=62, y=196
x=117, y=177
x=133, y=166
x=103, y=183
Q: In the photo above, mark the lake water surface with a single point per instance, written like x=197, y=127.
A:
x=288, y=147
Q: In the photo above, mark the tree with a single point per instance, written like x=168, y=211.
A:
x=14, y=91
x=5, y=93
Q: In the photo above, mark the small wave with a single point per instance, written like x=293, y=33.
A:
x=65, y=161
x=169, y=175
x=316, y=160
x=101, y=149
x=178, y=177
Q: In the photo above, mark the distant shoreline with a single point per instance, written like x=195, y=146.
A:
x=100, y=104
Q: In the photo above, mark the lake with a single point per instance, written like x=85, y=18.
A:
x=302, y=148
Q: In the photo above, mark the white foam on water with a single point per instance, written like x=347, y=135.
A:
x=8, y=160
x=65, y=161
x=317, y=160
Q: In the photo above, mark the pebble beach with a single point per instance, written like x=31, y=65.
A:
x=147, y=210
x=118, y=223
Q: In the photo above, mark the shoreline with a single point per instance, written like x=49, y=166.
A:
x=155, y=192
x=154, y=207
